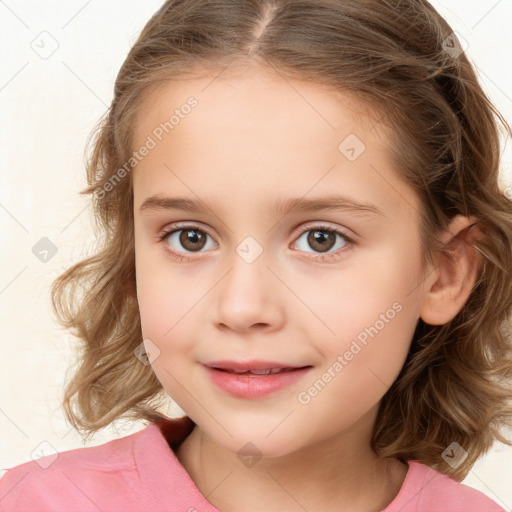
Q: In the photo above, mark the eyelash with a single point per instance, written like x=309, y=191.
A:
x=320, y=257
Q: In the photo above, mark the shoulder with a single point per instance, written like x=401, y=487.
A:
x=75, y=479
x=427, y=490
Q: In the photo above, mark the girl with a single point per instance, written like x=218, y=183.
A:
x=338, y=339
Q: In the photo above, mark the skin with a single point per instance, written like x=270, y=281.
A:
x=255, y=137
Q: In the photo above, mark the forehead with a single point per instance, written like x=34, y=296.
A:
x=253, y=86
x=257, y=130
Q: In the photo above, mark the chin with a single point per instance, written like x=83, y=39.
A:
x=252, y=438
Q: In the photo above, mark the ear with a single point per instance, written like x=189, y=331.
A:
x=455, y=273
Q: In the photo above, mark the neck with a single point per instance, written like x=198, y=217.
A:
x=320, y=476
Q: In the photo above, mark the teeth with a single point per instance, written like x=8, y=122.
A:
x=267, y=371
x=263, y=372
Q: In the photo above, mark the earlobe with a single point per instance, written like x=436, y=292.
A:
x=455, y=274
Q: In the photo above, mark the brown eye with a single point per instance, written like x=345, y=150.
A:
x=192, y=239
x=187, y=239
x=323, y=243
x=321, y=239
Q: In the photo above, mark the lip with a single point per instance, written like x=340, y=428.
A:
x=244, y=366
x=252, y=386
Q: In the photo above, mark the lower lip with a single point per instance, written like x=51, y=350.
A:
x=255, y=386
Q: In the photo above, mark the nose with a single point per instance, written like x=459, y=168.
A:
x=249, y=297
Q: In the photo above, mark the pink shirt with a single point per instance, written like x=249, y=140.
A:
x=139, y=472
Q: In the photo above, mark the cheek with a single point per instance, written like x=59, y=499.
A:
x=165, y=311
x=163, y=297
x=364, y=300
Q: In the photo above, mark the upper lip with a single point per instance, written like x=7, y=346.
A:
x=244, y=366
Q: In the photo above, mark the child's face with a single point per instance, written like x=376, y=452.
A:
x=253, y=289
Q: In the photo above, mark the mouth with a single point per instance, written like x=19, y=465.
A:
x=254, y=367
x=254, y=379
x=259, y=373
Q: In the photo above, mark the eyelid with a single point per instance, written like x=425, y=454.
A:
x=179, y=226
x=319, y=224
x=297, y=233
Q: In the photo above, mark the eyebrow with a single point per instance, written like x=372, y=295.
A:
x=278, y=207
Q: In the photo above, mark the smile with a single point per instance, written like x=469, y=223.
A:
x=267, y=371
x=254, y=379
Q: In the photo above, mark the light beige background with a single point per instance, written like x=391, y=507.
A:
x=48, y=106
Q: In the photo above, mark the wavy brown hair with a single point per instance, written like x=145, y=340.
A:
x=395, y=57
